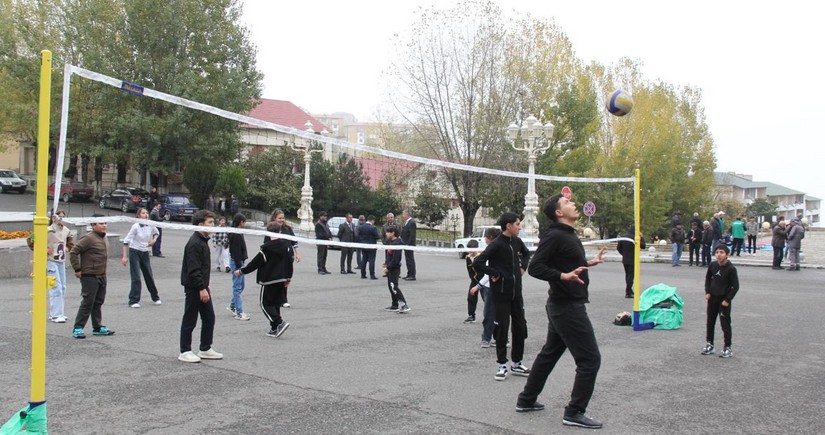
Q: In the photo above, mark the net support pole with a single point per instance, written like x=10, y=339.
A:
x=637, y=231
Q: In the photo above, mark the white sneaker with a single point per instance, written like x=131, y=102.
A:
x=158, y=302
x=189, y=357
x=241, y=316
x=209, y=354
x=60, y=319
x=134, y=306
x=286, y=305
x=231, y=310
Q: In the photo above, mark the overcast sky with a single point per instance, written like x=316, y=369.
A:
x=759, y=64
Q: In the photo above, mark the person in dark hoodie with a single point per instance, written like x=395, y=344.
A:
x=560, y=260
x=721, y=285
x=628, y=251
x=504, y=261
x=274, y=265
x=392, y=267
x=237, y=257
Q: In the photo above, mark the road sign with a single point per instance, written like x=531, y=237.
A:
x=589, y=209
x=566, y=192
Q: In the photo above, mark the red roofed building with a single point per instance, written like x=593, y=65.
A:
x=277, y=112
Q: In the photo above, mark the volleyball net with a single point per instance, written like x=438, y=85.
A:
x=349, y=176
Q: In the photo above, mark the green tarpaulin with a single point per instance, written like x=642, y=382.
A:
x=30, y=420
x=661, y=305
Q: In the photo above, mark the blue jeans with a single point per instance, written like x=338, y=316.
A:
x=677, y=253
x=238, y=285
x=57, y=293
x=488, y=324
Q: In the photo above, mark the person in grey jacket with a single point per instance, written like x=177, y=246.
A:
x=795, y=235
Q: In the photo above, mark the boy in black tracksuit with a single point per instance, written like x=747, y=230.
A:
x=392, y=267
x=274, y=265
x=721, y=285
x=504, y=261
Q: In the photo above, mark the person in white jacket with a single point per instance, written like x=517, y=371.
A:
x=137, y=246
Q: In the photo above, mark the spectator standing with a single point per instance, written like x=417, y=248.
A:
x=89, y=257
x=237, y=257
x=235, y=205
x=361, y=221
x=155, y=216
x=136, y=246
x=346, y=234
x=707, y=242
x=694, y=242
x=210, y=203
x=154, y=197
x=194, y=277
x=322, y=232
x=389, y=222
x=368, y=234
x=60, y=243
x=751, y=231
x=795, y=235
x=408, y=237
x=737, y=231
x=677, y=239
x=778, y=238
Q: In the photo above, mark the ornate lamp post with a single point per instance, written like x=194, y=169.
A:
x=533, y=138
x=309, y=147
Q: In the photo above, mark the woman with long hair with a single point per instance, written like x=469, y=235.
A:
x=136, y=247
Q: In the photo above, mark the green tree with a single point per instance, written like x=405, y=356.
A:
x=232, y=181
x=430, y=208
x=273, y=182
x=200, y=177
x=761, y=207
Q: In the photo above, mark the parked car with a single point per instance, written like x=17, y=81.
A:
x=477, y=235
x=334, y=223
x=176, y=207
x=72, y=191
x=9, y=181
x=125, y=199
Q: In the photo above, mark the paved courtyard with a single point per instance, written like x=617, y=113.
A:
x=346, y=366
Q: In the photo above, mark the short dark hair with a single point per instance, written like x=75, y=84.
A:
x=322, y=214
x=550, y=207
x=200, y=216
x=492, y=233
x=507, y=217
x=472, y=243
x=722, y=247
x=371, y=218
x=391, y=229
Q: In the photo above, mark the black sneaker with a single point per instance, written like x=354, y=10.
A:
x=580, y=420
x=281, y=328
x=391, y=308
x=708, y=349
x=536, y=406
x=470, y=319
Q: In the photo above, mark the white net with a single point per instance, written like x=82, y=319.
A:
x=446, y=198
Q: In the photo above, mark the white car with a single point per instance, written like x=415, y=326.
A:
x=477, y=235
x=9, y=180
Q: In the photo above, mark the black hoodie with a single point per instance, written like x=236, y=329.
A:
x=273, y=262
x=503, y=259
x=561, y=251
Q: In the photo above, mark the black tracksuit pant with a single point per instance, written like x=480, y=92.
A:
x=568, y=327
x=192, y=307
x=715, y=309
x=392, y=284
x=272, y=297
x=505, y=310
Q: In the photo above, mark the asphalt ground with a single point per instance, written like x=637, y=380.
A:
x=347, y=366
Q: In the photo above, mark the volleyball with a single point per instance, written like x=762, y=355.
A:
x=620, y=103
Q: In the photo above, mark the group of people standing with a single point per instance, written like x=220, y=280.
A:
x=786, y=239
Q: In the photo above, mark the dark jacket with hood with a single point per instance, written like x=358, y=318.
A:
x=503, y=259
x=561, y=251
x=237, y=243
x=273, y=262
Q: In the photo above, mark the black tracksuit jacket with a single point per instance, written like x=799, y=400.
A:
x=561, y=251
x=503, y=259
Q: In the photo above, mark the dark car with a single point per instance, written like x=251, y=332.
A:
x=72, y=191
x=125, y=199
x=176, y=207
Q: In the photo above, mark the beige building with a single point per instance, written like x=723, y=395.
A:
x=790, y=203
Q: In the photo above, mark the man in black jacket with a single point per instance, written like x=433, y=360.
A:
x=194, y=277
x=408, y=237
x=368, y=234
x=504, y=261
x=322, y=232
x=346, y=233
x=560, y=260
x=628, y=251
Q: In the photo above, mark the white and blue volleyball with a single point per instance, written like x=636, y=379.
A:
x=620, y=103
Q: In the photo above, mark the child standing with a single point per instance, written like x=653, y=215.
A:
x=274, y=265
x=475, y=276
x=221, y=243
x=721, y=285
x=392, y=267
x=237, y=257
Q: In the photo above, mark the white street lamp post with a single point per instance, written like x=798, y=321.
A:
x=305, y=212
x=533, y=138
